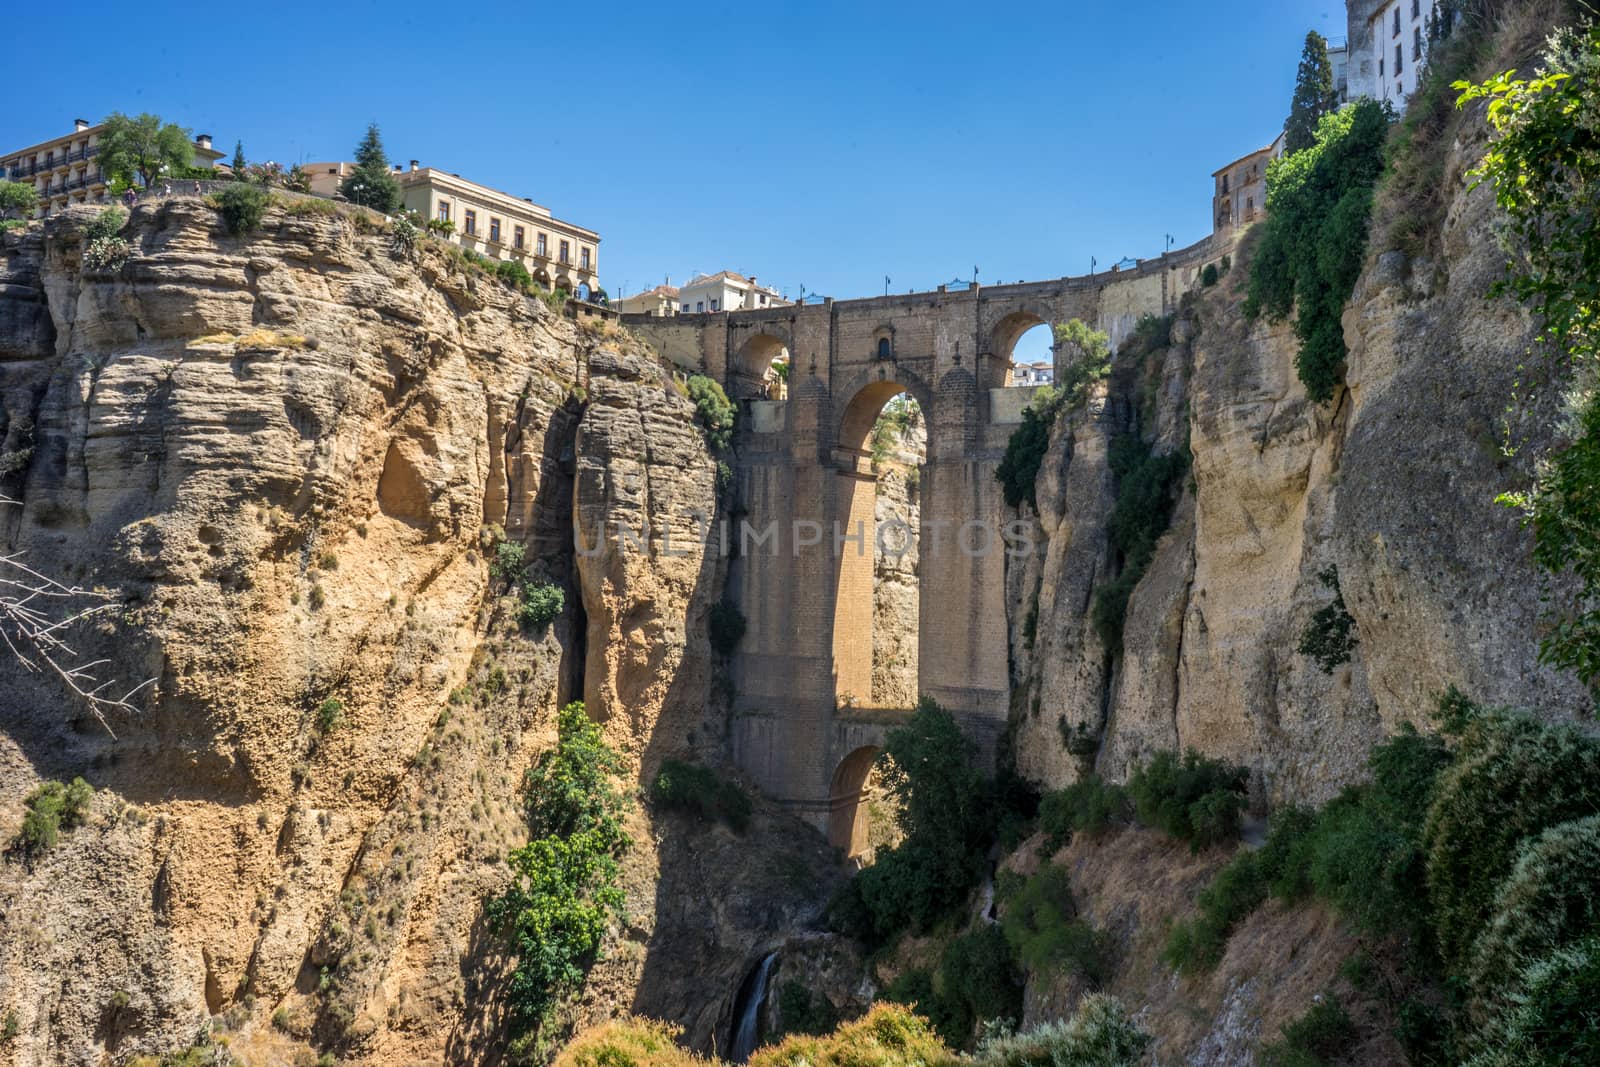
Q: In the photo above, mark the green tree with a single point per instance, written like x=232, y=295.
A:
x=143, y=148
x=1314, y=95
x=238, y=161
x=372, y=185
x=17, y=198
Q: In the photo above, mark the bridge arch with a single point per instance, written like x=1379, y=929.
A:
x=1003, y=338
x=849, y=820
x=750, y=372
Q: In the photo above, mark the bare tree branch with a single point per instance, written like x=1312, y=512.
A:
x=36, y=615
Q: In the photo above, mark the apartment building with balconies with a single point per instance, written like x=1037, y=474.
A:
x=1239, y=196
x=66, y=170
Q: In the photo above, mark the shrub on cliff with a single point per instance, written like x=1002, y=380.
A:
x=51, y=808
x=1145, y=499
x=1089, y=353
x=1315, y=237
x=1551, y=1020
x=1100, y=1033
x=17, y=199
x=541, y=604
x=1191, y=797
x=714, y=409
x=242, y=207
x=725, y=627
x=563, y=891
x=1089, y=805
x=1040, y=924
x=697, y=790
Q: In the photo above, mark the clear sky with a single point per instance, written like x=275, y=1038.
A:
x=817, y=144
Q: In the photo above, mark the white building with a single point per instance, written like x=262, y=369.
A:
x=725, y=291
x=1387, y=47
x=1032, y=374
x=1339, y=59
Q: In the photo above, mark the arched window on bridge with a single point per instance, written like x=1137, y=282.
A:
x=1033, y=357
x=885, y=349
x=861, y=811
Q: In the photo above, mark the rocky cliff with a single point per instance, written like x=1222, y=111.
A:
x=288, y=458
x=1392, y=485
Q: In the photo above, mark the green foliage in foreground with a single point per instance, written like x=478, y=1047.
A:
x=688, y=787
x=1545, y=168
x=1099, y=1034
x=715, y=411
x=52, y=808
x=1478, y=852
x=563, y=889
x=17, y=199
x=1315, y=237
x=1318, y=1037
x=1089, y=805
x=1330, y=638
x=974, y=983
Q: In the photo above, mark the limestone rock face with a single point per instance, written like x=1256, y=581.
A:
x=287, y=457
x=1392, y=484
x=897, y=513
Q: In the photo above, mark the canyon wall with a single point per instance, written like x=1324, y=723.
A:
x=1393, y=483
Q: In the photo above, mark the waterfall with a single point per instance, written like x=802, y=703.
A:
x=747, y=1011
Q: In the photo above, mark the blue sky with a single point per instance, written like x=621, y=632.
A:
x=819, y=144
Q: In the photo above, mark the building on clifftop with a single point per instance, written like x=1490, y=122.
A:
x=65, y=170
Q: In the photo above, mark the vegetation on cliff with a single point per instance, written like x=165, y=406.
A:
x=1545, y=168
x=1314, y=241
x=1090, y=350
x=564, y=889
x=1145, y=499
x=1475, y=854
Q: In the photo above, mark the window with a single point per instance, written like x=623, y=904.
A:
x=686, y=309
x=540, y=246
x=1399, y=60
x=1380, y=67
x=1397, y=21
x=583, y=258
x=444, y=211
x=566, y=252
x=1416, y=45
x=519, y=237
x=699, y=305
x=494, y=229
x=471, y=223
x=1416, y=9
x=884, y=351
x=714, y=306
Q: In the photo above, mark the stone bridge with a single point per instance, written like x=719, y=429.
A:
x=804, y=668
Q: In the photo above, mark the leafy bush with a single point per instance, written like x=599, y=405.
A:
x=887, y=1036
x=1209, y=276
x=1318, y=1037
x=1552, y=1020
x=563, y=889
x=108, y=223
x=51, y=808
x=1512, y=778
x=1236, y=891
x=947, y=812
x=1315, y=237
x=540, y=605
x=1328, y=638
x=510, y=560
x=242, y=207
x=1545, y=166
x=714, y=409
x=1090, y=362
x=1099, y=1034
x=1041, y=927
x=1551, y=898
x=1194, y=798
x=514, y=274
x=1019, y=467
x=1089, y=805
x=1145, y=483
x=628, y=1042
x=976, y=984
x=330, y=714
x=686, y=787
x=726, y=627
x=17, y=198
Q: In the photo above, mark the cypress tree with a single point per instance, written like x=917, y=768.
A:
x=238, y=161
x=372, y=185
x=1314, y=94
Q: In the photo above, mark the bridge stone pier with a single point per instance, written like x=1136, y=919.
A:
x=802, y=539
